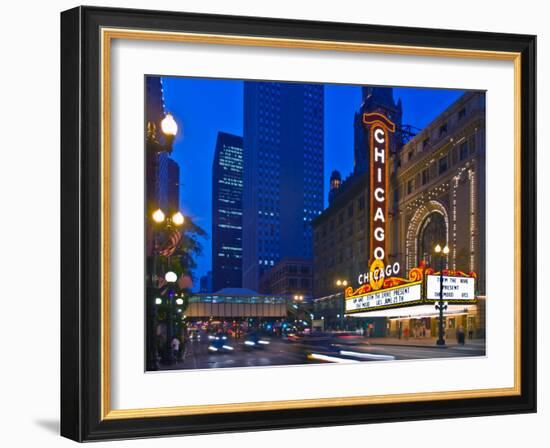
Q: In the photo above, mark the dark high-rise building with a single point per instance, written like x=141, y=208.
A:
x=173, y=186
x=206, y=283
x=227, y=194
x=156, y=164
x=375, y=99
x=283, y=175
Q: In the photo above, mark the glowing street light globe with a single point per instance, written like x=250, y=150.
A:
x=438, y=248
x=158, y=216
x=158, y=301
x=179, y=301
x=178, y=219
x=169, y=125
x=170, y=277
x=446, y=250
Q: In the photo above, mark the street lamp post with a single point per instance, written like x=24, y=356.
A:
x=441, y=306
x=156, y=144
x=176, y=220
x=340, y=316
x=170, y=277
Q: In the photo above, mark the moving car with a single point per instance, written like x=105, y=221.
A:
x=218, y=344
x=254, y=341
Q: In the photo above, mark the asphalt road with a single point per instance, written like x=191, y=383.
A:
x=279, y=352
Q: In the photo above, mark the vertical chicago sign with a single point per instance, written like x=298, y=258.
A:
x=379, y=287
x=380, y=128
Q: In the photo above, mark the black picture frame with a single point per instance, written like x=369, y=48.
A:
x=81, y=381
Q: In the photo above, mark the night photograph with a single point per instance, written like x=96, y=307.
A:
x=291, y=223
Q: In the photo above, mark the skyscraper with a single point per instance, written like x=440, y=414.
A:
x=375, y=99
x=227, y=193
x=173, y=186
x=156, y=165
x=283, y=173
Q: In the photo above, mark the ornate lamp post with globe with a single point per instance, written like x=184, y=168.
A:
x=156, y=143
x=341, y=313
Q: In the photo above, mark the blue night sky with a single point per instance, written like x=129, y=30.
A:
x=202, y=107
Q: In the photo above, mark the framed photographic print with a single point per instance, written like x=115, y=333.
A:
x=275, y=224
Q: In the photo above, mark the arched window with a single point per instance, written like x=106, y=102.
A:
x=433, y=231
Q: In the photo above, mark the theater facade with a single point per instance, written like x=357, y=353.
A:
x=380, y=231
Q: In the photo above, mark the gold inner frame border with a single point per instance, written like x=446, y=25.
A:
x=106, y=37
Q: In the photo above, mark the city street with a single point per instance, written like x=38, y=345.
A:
x=279, y=352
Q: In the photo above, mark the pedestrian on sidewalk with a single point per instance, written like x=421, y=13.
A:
x=176, y=348
x=460, y=335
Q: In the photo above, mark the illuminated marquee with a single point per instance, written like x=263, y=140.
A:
x=394, y=292
x=398, y=296
x=420, y=288
x=458, y=287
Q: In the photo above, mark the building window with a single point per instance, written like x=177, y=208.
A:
x=409, y=186
x=341, y=218
x=426, y=143
x=461, y=113
x=463, y=151
x=443, y=130
x=425, y=176
x=443, y=162
x=410, y=154
x=350, y=210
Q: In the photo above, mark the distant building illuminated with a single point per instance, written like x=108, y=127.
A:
x=227, y=191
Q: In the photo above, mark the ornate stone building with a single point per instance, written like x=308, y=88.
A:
x=436, y=196
x=438, y=191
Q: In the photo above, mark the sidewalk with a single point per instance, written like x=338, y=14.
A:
x=423, y=342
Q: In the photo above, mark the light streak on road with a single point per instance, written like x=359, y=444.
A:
x=367, y=355
x=326, y=358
